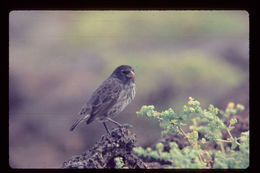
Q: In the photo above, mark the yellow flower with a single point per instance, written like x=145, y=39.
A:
x=203, y=141
x=192, y=109
x=230, y=105
x=192, y=127
x=240, y=107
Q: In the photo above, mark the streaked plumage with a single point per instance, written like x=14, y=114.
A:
x=110, y=98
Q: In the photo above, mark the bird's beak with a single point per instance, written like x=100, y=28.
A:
x=131, y=74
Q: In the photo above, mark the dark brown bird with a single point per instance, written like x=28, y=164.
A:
x=110, y=98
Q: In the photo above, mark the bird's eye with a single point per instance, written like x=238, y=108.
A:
x=125, y=72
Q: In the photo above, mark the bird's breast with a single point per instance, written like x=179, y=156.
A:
x=125, y=97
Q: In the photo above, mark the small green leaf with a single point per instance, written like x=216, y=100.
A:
x=148, y=149
x=233, y=121
x=231, y=128
x=159, y=146
x=234, y=144
x=154, y=154
x=240, y=107
x=118, y=162
x=173, y=145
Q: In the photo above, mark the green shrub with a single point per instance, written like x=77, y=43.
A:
x=119, y=163
x=210, y=124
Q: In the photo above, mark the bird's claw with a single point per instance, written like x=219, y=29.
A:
x=126, y=126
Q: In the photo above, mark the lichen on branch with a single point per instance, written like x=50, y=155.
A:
x=107, y=151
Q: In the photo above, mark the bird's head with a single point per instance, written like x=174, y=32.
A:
x=125, y=73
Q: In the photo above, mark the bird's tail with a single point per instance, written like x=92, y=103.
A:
x=79, y=120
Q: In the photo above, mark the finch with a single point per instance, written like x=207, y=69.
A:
x=110, y=98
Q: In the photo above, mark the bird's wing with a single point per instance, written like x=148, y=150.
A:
x=104, y=97
x=83, y=115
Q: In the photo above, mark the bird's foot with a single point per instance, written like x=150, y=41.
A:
x=125, y=126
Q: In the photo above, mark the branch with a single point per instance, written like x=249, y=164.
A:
x=102, y=154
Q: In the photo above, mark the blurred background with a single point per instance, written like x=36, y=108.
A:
x=58, y=58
